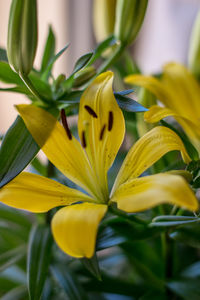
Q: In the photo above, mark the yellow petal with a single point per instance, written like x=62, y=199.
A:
x=102, y=124
x=152, y=84
x=38, y=194
x=184, y=90
x=66, y=154
x=75, y=228
x=156, y=113
x=145, y=192
x=147, y=150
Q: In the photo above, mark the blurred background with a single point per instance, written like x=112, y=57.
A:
x=164, y=37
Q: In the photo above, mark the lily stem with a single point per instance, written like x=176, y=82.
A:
x=107, y=63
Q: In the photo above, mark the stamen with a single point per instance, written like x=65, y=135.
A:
x=110, y=121
x=90, y=111
x=65, y=125
x=102, y=132
x=83, y=140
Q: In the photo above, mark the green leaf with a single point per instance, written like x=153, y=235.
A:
x=11, y=257
x=43, y=88
x=3, y=55
x=18, y=148
x=39, y=254
x=193, y=153
x=7, y=75
x=188, y=289
x=49, y=50
x=48, y=70
x=17, y=89
x=39, y=167
x=18, y=293
x=67, y=281
x=129, y=104
x=131, y=230
x=173, y=221
x=192, y=271
x=189, y=235
x=82, y=62
x=15, y=216
x=107, y=238
x=109, y=42
x=125, y=92
x=92, y=265
x=154, y=295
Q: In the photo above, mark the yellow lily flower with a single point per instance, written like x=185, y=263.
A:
x=179, y=91
x=101, y=130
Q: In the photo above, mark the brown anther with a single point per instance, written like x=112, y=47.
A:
x=65, y=125
x=83, y=140
x=110, y=120
x=102, y=132
x=90, y=111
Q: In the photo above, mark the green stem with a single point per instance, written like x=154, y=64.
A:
x=169, y=263
x=107, y=63
x=131, y=218
x=116, y=54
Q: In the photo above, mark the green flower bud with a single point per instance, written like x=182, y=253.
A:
x=22, y=35
x=129, y=18
x=83, y=76
x=194, y=51
x=103, y=18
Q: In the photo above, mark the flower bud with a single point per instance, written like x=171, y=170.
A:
x=22, y=35
x=103, y=18
x=129, y=18
x=83, y=76
x=194, y=51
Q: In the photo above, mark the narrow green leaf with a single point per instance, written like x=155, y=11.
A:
x=18, y=148
x=47, y=72
x=11, y=257
x=92, y=265
x=192, y=271
x=172, y=223
x=67, y=281
x=82, y=62
x=17, y=89
x=166, y=220
x=188, y=235
x=15, y=216
x=39, y=167
x=43, y=88
x=39, y=254
x=125, y=92
x=7, y=75
x=109, y=42
x=18, y=293
x=107, y=238
x=49, y=50
x=186, y=288
x=129, y=104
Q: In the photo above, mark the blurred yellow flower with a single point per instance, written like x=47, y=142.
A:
x=179, y=91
